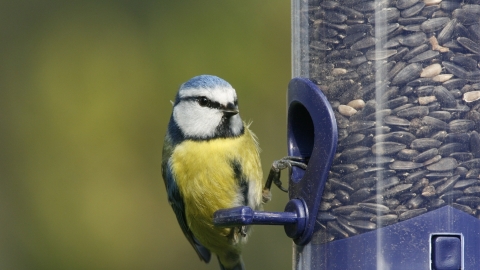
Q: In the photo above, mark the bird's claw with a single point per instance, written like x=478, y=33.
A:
x=288, y=162
x=274, y=175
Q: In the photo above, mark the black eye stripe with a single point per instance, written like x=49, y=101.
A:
x=205, y=102
x=213, y=105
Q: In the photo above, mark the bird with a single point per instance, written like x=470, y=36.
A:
x=211, y=161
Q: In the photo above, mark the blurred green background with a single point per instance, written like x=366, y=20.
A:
x=84, y=103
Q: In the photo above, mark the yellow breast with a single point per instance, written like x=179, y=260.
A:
x=203, y=172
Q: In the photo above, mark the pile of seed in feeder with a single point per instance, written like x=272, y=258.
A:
x=404, y=81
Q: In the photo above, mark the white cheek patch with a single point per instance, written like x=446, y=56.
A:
x=219, y=94
x=196, y=121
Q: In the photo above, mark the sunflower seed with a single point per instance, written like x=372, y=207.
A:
x=345, y=225
x=464, y=16
x=385, y=220
x=324, y=216
x=396, y=121
x=351, y=140
x=434, y=24
x=435, y=123
x=385, y=15
x=414, y=40
x=448, y=185
x=461, y=125
x=472, y=201
x=340, y=185
x=374, y=208
x=407, y=74
x=444, y=164
x=473, y=191
x=334, y=229
x=426, y=155
x=435, y=203
x=462, y=207
x=443, y=96
x=466, y=183
x=411, y=213
x=465, y=61
x=413, y=10
x=363, y=224
x=431, y=70
x=346, y=110
x=405, y=165
x=469, y=44
x=345, y=210
x=425, y=144
x=447, y=32
x=361, y=194
x=403, y=4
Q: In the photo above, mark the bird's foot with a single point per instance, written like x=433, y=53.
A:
x=274, y=175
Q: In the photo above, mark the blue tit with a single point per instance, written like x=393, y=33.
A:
x=210, y=162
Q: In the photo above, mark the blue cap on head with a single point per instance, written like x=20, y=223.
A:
x=205, y=81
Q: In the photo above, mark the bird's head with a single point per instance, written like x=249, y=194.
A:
x=206, y=107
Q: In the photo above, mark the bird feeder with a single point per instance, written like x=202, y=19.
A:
x=403, y=191
x=384, y=104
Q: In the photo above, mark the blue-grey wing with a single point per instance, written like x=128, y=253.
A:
x=176, y=201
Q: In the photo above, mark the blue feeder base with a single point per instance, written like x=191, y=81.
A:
x=443, y=239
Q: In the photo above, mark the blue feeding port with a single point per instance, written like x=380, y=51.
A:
x=312, y=135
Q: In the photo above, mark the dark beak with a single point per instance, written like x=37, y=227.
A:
x=230, y=110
